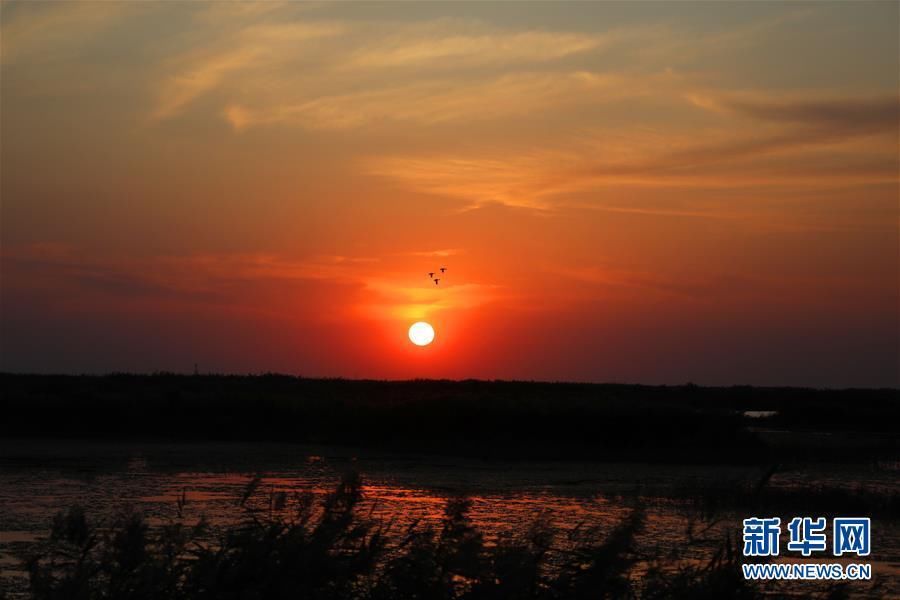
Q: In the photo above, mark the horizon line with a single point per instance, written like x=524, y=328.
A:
x=261, y=374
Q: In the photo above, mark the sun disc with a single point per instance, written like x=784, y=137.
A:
x=421, y=333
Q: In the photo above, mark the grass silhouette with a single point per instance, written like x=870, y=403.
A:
x=297, y=547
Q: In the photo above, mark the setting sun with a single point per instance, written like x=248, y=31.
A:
x=421, y=333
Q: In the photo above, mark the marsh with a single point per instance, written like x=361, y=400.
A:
x=687, y=511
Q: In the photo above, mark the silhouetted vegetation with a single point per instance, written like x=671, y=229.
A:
x=517, y=418
x=478, y=418
x=296, y=547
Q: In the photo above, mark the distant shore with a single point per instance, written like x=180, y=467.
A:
x=504, y=419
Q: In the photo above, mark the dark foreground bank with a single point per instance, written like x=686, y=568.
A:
x=478, y=418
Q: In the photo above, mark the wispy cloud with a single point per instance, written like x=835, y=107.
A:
x=436, y=102
x=199, y=273
x=838, y=115
x=257, y=47
x=56, y=29
x=671, y=44
x=441, y=253
x=436, y=45
x=713, y=287
x=808, y=137
x=398, y=299
x=234, y=281
x=297, y=74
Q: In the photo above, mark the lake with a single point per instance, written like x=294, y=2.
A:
x=40, y=477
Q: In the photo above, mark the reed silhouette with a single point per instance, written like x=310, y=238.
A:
x=292, y=546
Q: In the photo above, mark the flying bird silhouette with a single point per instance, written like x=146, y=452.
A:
x=436, y=281
x=443, y=269
x=431, y=275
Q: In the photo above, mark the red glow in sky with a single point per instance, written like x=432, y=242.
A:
x=646, y=192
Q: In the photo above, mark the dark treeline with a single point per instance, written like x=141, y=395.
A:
x=510, y=418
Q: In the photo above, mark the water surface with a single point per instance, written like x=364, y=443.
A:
x=39, y=478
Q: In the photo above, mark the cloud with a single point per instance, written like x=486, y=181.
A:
x=298, y=74
x=671, y=45
x=840, y=116
x=30, y=29
x=392, y=298
x=257, y=47
x=192, y=274
x=442, y=253
x=604, y=279
x=436, y=47
x=261, y=283
x=437, y=102
x=182, y=89
x=786, y=143
x=511, y=180
x=638, y=281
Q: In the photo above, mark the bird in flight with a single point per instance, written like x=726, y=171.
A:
x=443, y=269
x=436, y=281
x=431, y=275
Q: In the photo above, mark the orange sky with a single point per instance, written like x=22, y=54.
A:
x=636, y=192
